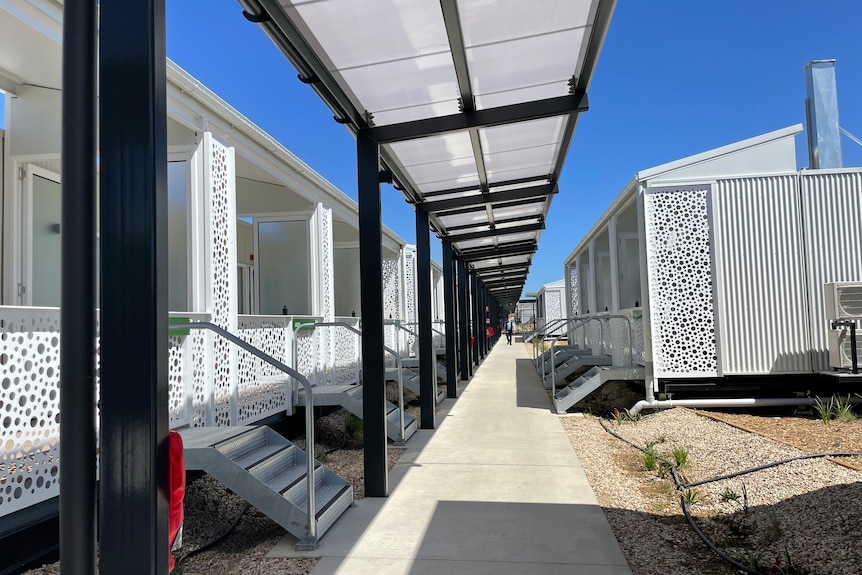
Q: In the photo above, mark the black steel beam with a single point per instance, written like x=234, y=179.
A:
x=497, y=232
x=504, y=267
x=463, y=320
x=511, y=204
x=134, y=462
x=535, y=180
x=371, y=298
x=491, y=198
x=489, y=117
x=498, y=222
x=515, y=249
x=492, y=274
x=78, y=296
x=449, y=305
x=427, y=357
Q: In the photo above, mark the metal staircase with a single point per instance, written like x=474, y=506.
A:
x=572, y=366
x=410, y=379
x=591, y=381
x=269, y=472
x=350, y=398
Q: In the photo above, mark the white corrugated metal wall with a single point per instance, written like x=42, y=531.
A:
x=832, y=215
x=761, y=295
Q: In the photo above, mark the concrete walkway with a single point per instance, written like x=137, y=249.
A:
x=495, y=489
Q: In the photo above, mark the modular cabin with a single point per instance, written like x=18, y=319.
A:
x=718, y=272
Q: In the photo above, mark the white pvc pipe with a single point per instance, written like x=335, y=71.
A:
x=730, y=402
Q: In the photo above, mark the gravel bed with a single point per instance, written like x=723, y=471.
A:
x=766, y=515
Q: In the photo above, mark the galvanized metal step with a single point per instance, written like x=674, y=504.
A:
x=350, y=397
x=572, y=365
x=591, y=381
x=269, y=472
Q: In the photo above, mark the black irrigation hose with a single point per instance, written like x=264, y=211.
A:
x=217, y=540
x=768, y=465
x=686, y=509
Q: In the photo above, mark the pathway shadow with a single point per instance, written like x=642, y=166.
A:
x=528, y=387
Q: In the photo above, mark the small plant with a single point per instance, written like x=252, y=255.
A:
x=729, y=495
x=633, y=417
x=625, y=416
x=744, y=498
x=650, y=460
x=352, y=424
x=680, y=456
x=663, y=470
x=844, y=409
x=751, y=559
x=824, y=410
x=773, y=528
x=788, y=569
x=691, y=497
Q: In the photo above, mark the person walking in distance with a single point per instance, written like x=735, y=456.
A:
x=509, y=327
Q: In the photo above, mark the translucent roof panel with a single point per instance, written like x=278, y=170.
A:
x=434, y=149
x=477, y=217
x=522, y=136
x=370, y=42
x=507, y=212
x=521, y=237
x=512, y=44
x=468, y=244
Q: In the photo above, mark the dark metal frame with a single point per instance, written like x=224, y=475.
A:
x=427, y=353
x=134, y=483
x=463, y=320
x=78, y=304
x=451, y=329
x=371, y=297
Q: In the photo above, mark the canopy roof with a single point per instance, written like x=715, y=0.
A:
x=474, y=103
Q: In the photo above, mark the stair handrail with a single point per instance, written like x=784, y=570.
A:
x=599, y=318
x=553, y=324
x=553, y=344
x=558, y=323
x=311, y=540
x=385, y=348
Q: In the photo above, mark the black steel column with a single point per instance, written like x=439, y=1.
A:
x=78, y=299
x=371, y=298
x=486, y=322
x=427, y=353
x=463, y=321
x=449, y=305
x=134, y=322
x=477, y=306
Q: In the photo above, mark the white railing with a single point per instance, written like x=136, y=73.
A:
x=30, y=383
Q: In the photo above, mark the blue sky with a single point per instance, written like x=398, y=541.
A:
x=675, y=78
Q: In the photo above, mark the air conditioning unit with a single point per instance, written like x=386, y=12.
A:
x=843, y=300
x=840, y=353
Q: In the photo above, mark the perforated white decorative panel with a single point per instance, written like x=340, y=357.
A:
x=261, y=386
x=188, y=374
x=679, y=260
x=346, y=353
x=178, y=357
x=29, y=407
x=554, y=304
x=221, y=210
x=391, y=290
x=304, y=342
x=326, y=262
x=575, y=301
x=411, y=315
x=201, y=346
